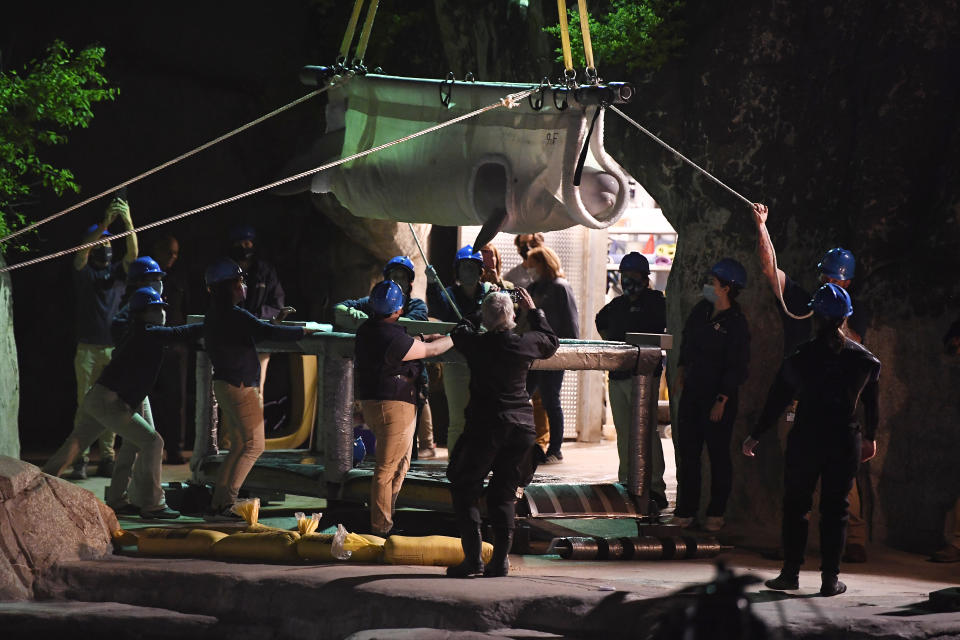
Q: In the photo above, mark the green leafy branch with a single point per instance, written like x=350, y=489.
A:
x=637, y=34
x=37, y=107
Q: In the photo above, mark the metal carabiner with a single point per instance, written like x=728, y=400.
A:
x=446, y=90
x=592, y=75
x=537, y=104
x=560, y=106
x=469, y=77
x=570, y=78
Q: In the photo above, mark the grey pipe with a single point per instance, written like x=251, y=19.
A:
x=337, y=417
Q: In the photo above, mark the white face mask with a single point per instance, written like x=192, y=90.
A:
x=533, y=274
x=709, y=293
x=155, y=315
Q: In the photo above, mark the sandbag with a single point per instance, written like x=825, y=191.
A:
x=269, y=546
x=193, y=543
x=318, y=547
x=436, y=551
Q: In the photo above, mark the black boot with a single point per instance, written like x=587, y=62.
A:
x=499, y=564
x=472, y=562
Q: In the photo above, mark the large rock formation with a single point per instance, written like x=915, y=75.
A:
x=841, y=117
x=43, y=521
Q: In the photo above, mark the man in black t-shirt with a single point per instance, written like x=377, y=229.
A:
x=387, y=368
x=99, y=283
x=837, y=267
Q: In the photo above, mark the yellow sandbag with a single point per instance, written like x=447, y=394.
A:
x=435, y=551
x=318, y=547
x=123, y=538
x=194, y=543
x=249, y=510
x=259, y=528
x=306, y=525
x=269, y=546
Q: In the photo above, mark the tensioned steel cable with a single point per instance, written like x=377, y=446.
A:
x=777, y=290
x=508, y=101
x=174, y=161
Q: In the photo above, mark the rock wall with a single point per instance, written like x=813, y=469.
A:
x=43, y=521
x=842, y=118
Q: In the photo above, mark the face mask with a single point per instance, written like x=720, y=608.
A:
x=157, y=285
x=102, y=254
x=709, y=294
x=243, y=288
x=632, y=287
x=533, y=274
x=241, y=254
x=155, y=315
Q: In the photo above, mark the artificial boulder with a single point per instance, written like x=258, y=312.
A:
x=44, y=521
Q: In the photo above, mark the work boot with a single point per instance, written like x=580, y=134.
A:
x=499, y=564
x=949, y=553
x=830, y=586
x=472, y=561
x=784, y=582
x=163, y=513
x=79, y=469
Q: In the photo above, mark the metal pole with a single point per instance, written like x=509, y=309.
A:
x=443, y=290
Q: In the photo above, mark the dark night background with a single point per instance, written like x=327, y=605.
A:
x=843, y=117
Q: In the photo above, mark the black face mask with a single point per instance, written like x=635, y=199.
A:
x=524, y=250
x=101, y=255
x=633, y=287
x=243, y=254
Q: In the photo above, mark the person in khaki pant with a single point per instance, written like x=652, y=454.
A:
x=388, y=365
x=230, y=334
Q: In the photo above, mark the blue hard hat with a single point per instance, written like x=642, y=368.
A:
x=402, y=262
x=838, y=263
x=242, y=232
x=831, y=301
x=467, y=253
x=145, y=297
x=142, y=267
x=359, y=451
x=94, y=227
x=222, y=270
x=386, y=297
x=730, y=271
x=635, y=261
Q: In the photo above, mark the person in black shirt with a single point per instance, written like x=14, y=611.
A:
x=230, y=334
x=467, y=293
x=110, y=404
x=388, y=365
x=714, y=356
x=99, y=284
x=838, y=267
x=829, y=376
x=640, y=309
x=499, y=435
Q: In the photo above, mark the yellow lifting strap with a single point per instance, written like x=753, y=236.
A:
x=587, y=45
x=367, y=28
x=565, y=35
x=348, y=34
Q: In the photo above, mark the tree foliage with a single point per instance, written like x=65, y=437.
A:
x=637, y=34
x=52, y=95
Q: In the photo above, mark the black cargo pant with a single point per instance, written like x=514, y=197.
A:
x=832, y=456
x=505, y=449
x=694, y=431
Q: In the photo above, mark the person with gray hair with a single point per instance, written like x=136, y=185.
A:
x=499, y=435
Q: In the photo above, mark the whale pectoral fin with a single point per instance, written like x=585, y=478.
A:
x=490, y=228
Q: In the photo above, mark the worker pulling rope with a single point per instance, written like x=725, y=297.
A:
x=184, y=156
x=777, y=290
x=508, y=101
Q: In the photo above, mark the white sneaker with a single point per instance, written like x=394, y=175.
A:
x=713, y=523
x=684, y=523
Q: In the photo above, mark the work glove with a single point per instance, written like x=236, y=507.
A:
x=356, y=314
x=464, y=327
x=431, y=275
